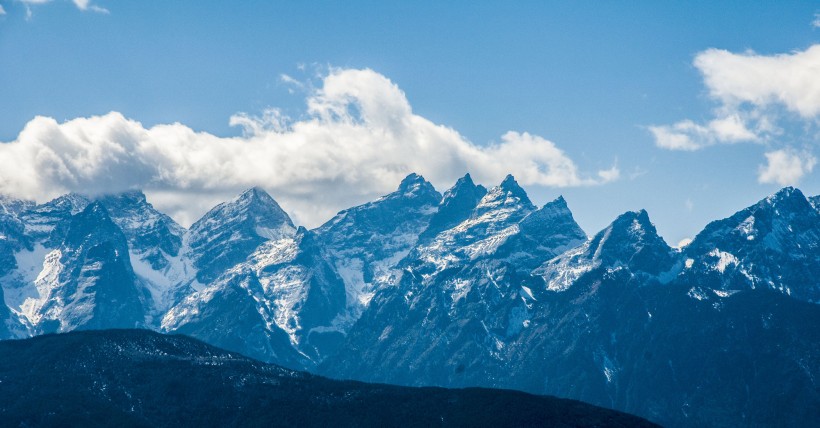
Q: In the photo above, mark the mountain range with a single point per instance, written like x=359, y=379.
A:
x=475, y=287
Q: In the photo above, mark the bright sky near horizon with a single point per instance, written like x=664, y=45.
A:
x=691, y=110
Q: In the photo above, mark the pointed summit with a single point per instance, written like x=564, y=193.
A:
x=415, y=185
x=781, y=230
x=456, y=206
x=254, y=205
x=509, y=182
x=93, y=220
x=778, y=219
x=254, y=193
x=229, y=232
x=543, y=235
x=511, y=187
x=410, y=180
x=553, y=226
x=149, y=232
x=631, y=240
x=505, y=198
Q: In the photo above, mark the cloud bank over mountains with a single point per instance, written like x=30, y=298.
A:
x=772, y=100
x=358, y=139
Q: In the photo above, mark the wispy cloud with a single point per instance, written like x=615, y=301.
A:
x=766, y=99
x=816, y=21
x=358, y=139
x=2, y=11
x=83, y=5
x=688, y=135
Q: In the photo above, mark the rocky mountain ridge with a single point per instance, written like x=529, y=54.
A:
x=475, y=287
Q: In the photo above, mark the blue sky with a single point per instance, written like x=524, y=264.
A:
x=591, y=79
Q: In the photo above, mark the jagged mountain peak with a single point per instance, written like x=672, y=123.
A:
x=254, y=193
x=785, y=193
x=552, y=219
x=786, y=201
x=414, y=186
x=253, y=205
x=631, y=228
x=771, y=244
x=556, y=207
x=774, y=221
x=512, y=188
x=153, y=236
x=70, y=204
x=507, y=196
x=465, y=183
x=229, y=232
x=456, y=205
x=93, y=220
x=13, y=206
x=630, y=241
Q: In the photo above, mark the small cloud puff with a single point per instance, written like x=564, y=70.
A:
x=785, y=167
x=359, y=138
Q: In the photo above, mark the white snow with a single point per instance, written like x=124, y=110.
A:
x=561, y=272
x=697, y=293
x=724, y=260
x=163, y=284
x=19, y=285
x=725, y=293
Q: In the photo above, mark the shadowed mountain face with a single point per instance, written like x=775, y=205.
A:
x=478, y=287
x=141, y=378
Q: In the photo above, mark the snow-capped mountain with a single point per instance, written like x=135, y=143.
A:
x=464, y=293
x=285, y=303
x=87, y=282
x=613, y=321
x=366, y=242
x=631, y=241
x=231, y=231
x=298, y=294
x=473, y=288
x=773, y=244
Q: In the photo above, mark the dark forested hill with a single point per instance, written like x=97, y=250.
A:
x=141, y=378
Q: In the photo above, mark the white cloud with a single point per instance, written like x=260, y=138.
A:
x=785, y=167
x=359, y=139
x=749, y=90
x=765, y=99
x=2, y=11
x=762, y=81
x=816, y=22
